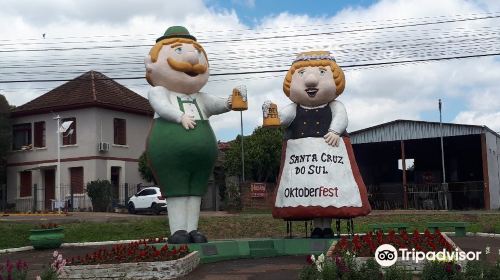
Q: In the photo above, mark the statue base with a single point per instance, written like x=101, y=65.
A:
x=222, y=250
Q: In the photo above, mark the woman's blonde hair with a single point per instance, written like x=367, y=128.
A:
x=338, y=74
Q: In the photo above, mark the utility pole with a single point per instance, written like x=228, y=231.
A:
x=58, y=170
x=444, y=184
x=242, y=150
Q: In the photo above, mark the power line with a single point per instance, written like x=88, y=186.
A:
x=263, y=38
x=414, y=51
x=271, y=71
x=200, y=34
x=371, y=54
x=366, y=48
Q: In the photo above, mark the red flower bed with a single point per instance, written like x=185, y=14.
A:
x=366, y=245
x=138, y=251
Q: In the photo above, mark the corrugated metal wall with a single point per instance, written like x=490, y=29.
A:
x=405, y=130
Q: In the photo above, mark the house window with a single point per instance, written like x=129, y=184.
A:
x=21, y=136
x=120, y=131
x=69, y=137
x=25, y=184
x=39, y=134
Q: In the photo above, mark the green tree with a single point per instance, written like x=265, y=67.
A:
x=145, y=170
x=101, y=195
x=5, y=142
x=262, y=151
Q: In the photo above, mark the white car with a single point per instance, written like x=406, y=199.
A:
x=147, y=199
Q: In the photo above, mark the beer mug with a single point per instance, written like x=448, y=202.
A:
x=270, y=113
x=239, y=98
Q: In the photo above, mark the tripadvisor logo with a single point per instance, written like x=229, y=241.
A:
x=386, y=255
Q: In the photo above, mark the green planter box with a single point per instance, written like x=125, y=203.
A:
x=47, y=238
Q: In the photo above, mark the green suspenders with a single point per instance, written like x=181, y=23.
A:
x=181, y=105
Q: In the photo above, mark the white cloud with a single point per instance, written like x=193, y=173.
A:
x=484, y=108
x=490, y=119
x=244, y=3
x=372, y=96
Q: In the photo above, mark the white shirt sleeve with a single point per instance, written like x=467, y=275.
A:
x=159, y=99
x=339, y=117
x=287, y=114
x=213, y=105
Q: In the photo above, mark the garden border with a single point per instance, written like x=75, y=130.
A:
x=77, y=244
x=412, y=266
x=140, y=270
x=99, y=243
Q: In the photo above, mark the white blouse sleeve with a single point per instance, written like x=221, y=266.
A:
x=339, y=117
x=213, y=105
x=159, y=100
x=287, y=114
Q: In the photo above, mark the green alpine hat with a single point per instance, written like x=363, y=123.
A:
x=176, y=32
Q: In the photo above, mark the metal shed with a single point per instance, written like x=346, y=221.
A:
x=401, y=164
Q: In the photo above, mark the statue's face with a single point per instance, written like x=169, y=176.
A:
x=313, y=86
x=180, y=67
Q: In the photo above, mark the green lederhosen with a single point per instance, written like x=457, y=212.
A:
x=182, y=160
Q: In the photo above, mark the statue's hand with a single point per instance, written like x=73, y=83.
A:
x=332, y=139
x=188, y=122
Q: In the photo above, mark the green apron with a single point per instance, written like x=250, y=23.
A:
x=182, y=160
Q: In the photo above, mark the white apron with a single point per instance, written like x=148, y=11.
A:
x=318, y=180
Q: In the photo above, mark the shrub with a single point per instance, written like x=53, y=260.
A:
x=397, y=273
x=340, y=267
x=482, y=270
x=233, y=198
x=435, y=270
x=101, y=194
x=145, y=170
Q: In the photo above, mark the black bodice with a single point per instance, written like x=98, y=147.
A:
x=310, y=122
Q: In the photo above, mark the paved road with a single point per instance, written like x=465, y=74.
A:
x=250, y=269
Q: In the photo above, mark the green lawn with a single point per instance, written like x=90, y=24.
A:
x=245, y=225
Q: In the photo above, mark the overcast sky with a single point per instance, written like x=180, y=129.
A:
x=114, y=36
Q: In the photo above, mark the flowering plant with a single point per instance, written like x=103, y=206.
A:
x=14, y=271
x=319, y=262
x=48, y=226
x=138, y=251
x=366, y=245
x=342, y=266
x=441, y=270
x=55, y=270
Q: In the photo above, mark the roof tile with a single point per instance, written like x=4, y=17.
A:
x=92, y=89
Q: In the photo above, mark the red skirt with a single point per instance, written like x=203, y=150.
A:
x=317, y=180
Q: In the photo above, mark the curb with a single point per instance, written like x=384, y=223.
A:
x=19, y=249
x=35, y=215
x=473, y=234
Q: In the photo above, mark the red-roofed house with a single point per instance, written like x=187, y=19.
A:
x=107, y=135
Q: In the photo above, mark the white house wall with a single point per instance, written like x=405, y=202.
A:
x=37, y=170
x=137, y=132
x=86, y=144
x=133, y=175
x=93, y=125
